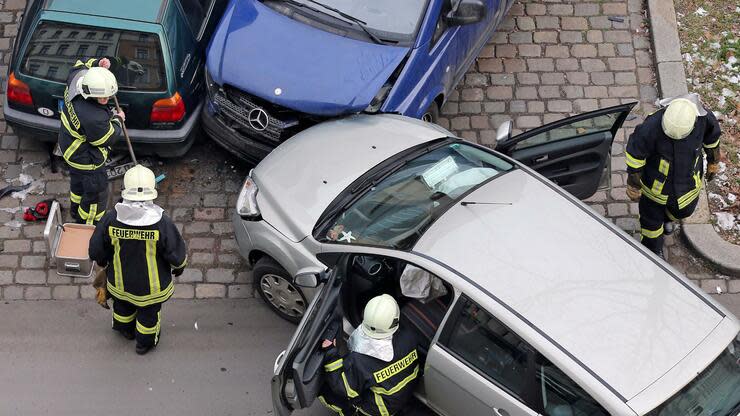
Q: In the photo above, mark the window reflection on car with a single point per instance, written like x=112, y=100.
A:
x=396, y=211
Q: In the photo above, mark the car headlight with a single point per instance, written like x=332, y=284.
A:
x=379, y=98
x=246, y=204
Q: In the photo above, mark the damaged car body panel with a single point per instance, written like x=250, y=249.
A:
x=275, y=68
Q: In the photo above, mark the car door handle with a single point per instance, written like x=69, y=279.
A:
x=500, y=412
x=542, y=158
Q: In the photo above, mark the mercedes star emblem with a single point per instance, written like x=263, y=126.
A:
x=278, y=91
x=258, y=119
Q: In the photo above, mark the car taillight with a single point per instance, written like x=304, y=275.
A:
x=18, y=91
x=168, y=110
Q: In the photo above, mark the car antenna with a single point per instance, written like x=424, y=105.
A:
x=466, y=203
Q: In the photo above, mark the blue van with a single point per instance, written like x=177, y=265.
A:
x=276, y=67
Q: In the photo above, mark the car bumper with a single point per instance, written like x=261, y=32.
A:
x=242, y=146
x=164, y=143
x=260, y=237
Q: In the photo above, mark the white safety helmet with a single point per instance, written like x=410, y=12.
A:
x=380, y=319
x=679, y=118
x=97, y=82
x=138, y=184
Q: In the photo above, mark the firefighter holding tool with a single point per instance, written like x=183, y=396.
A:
x=141, y=249
x=88, y=131
x=665, y=165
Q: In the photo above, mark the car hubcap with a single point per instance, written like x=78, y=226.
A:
x=283, y=295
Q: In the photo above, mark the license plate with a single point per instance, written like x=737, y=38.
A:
x=120, y=170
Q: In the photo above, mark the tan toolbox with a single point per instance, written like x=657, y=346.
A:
x=67, y=244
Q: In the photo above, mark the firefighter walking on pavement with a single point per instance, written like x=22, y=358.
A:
x=665, y=165
x=378, y=376
x=141, y=249
x=88, y=130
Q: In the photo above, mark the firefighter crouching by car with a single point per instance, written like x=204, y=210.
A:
x=665, y=165
x=87, y=132
x=142, y=249
x=378, y=376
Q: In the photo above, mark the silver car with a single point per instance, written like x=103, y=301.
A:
x=549, y=308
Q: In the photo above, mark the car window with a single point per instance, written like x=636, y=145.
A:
x=136, y=57
x=562, y=396
x=195, y=11
x=486, y=344
x=395, y=210
x=716, y=391
x=578, y=128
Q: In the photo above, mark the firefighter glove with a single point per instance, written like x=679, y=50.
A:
x=712, y=170
x=633, y=193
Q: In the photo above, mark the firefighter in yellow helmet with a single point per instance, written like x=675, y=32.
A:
x=665, y=165
x=142, y=249
x=88, y=130
x=378, y=376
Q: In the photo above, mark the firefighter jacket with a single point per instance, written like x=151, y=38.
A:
x=88, y=127
x=140, y=258
x=373, y=386
x=671, y=168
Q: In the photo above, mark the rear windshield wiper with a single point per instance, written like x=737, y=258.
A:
x=344, y=15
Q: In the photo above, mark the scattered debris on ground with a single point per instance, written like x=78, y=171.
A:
x=710, y=44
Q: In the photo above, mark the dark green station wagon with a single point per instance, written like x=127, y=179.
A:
x=156, y=48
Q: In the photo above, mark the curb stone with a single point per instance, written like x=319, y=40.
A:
x=697, y=229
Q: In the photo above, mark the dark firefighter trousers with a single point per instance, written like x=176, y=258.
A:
x=88, y=195
x=145, y=322
x=653, y=215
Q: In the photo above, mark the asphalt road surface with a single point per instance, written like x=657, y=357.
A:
x=61, y=358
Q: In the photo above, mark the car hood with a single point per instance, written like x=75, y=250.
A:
x=302, y=176
x=259, y=50
x=569, y=273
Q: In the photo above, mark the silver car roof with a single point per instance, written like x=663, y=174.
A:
x=306, y=173
x=584, y=287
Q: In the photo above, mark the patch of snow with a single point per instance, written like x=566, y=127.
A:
x=701, y=12
x=732, y=198
x=715, y=45
x=733, y=79
x=719, y=199
x=722, y=167
x=725, y=220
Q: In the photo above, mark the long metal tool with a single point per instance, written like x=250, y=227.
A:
x=125, y=134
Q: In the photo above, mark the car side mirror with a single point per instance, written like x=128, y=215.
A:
x=306, y=279
x=466, y=12
x=503, y=133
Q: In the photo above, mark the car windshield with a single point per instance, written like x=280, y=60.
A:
x=388, y=16
x=716, y=392
x=395, y=211
x=136, y=57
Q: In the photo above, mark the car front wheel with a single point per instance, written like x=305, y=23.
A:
x=275, y=286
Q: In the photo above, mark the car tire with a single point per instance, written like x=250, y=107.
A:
x=431, y=115
x=275, y=286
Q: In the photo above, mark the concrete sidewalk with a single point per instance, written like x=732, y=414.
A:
x=62, y=358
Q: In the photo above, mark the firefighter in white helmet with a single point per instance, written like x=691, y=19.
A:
x=88, y=130
x=142, y=249
x=383, y=358
x=665, y=165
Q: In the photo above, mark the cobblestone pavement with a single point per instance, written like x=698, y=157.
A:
x=548, y=61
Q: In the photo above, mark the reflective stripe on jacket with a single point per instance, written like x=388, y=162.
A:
x=375, y=387
x=88, y=128
x=139, y=259
x=671, y=168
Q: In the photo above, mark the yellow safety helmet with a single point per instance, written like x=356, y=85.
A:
x=138, y=184
x=380, y=318
x=679, y=118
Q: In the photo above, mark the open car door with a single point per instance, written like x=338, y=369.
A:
x=298, y=372
x=573, y=152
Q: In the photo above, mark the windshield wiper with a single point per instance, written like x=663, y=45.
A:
x=361, y=23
